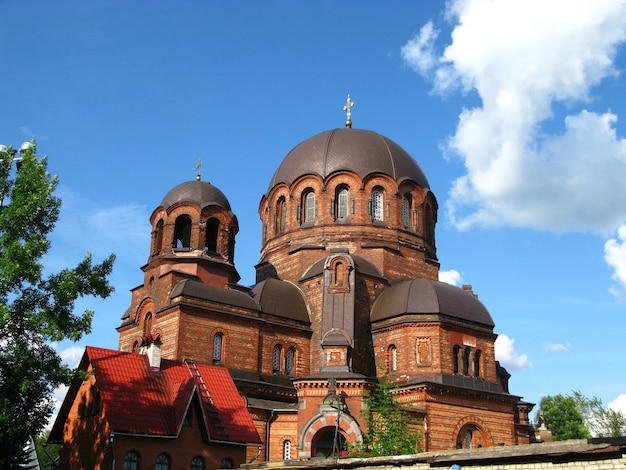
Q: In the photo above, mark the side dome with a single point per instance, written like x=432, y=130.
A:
x=202, y=193
x=281, y=298
x=361, y=151
x=425, y=296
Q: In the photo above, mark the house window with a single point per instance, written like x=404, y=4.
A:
x=226, y=463
x=377, y=204
x=182, y=232
x=276, y=358
x=393, y=358
x=477, y=364
x=287, y=450
x=309, y=206
x=217, y=347
x=131, y=460
x=197, y=463
x=210, y=237
x=290, y=360
x=162, y=462
x=455, y=358
x=406, y=211
x=342, y=203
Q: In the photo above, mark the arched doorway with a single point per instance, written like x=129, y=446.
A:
x=328, y=442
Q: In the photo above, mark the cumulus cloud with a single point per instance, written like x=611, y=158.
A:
x=450, y=277
x=557, y=347
x=619, y=404
x=508, y=356
x=524, y=167
x=615, y=256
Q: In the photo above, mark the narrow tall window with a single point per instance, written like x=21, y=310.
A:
x=377, y=204
x=147, y=324
x=290, y=360
x=287, y=450
x=342, y=203
x=393, y=358
x=212, y=231
x=455, y=358
x=276, y=358
x=131, y=460
x=477, y=364
x=406, y=211
x=466, y=356
x=182, y=232
x=162, y=462
x=158, y=239
x=281, y=215
x=309, y=206
x=217, y=347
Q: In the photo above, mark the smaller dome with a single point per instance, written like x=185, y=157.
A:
x=281, y=298
x=424, y=296
x=202, y=193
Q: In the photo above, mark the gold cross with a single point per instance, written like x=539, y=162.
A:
x=198, y=166
x=347, y=108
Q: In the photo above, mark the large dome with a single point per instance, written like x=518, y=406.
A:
x=361, y=151
x=425, y=296
x=202, y=193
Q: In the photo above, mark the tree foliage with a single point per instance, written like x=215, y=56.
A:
x=601, y=421
x=563, y=417
x=392, y=429
x=35, y=308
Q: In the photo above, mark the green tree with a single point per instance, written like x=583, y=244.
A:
x=601, y=421
x=35, y=308
x=563, y=417
x=392, y=429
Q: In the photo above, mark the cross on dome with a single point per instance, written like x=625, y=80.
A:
x=347, y=108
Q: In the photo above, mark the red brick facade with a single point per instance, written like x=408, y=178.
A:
x=333, y=243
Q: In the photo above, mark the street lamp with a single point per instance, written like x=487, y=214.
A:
x=23, y=148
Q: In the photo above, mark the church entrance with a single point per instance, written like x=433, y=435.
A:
x=328, y=442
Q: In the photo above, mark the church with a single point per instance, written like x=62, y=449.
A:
x=346, y=295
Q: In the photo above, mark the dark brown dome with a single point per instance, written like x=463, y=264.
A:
x=424, y=296
x=281, y=298
x=361, y=151
x=202, y=193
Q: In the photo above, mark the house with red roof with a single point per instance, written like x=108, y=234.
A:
x=131, y=411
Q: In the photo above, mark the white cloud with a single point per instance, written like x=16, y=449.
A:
x=521, y=57
x=557, y=347
x=615, y=256
x=450, y=277
x=508, y=357
x=72, y=355
x=619, y=404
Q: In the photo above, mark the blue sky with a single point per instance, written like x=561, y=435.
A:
x=514, y=109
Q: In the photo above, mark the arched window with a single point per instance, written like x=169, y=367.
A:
x=290, y=361
x=158, y=238
x=226, y=463
x=217, y=347
x=287, y=450
x=135, y=346
x=280, y=221
x=406, y=211
x=210, y=237
x=455, y=358
x=470, y=437
x=182, y=232
x=466, y=356
x=342, y=203
x=197, y=463
x=276, y=358
x=429, y=226
x=392, y=358
x=308, y=206
x=162, y=462
x=147, y=324
x=477, y=364
x=131, y=460
x=377, y=204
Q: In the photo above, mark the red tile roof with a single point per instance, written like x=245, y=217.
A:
x=139, y=400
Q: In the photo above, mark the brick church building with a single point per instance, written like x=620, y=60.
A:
x=346, y=294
